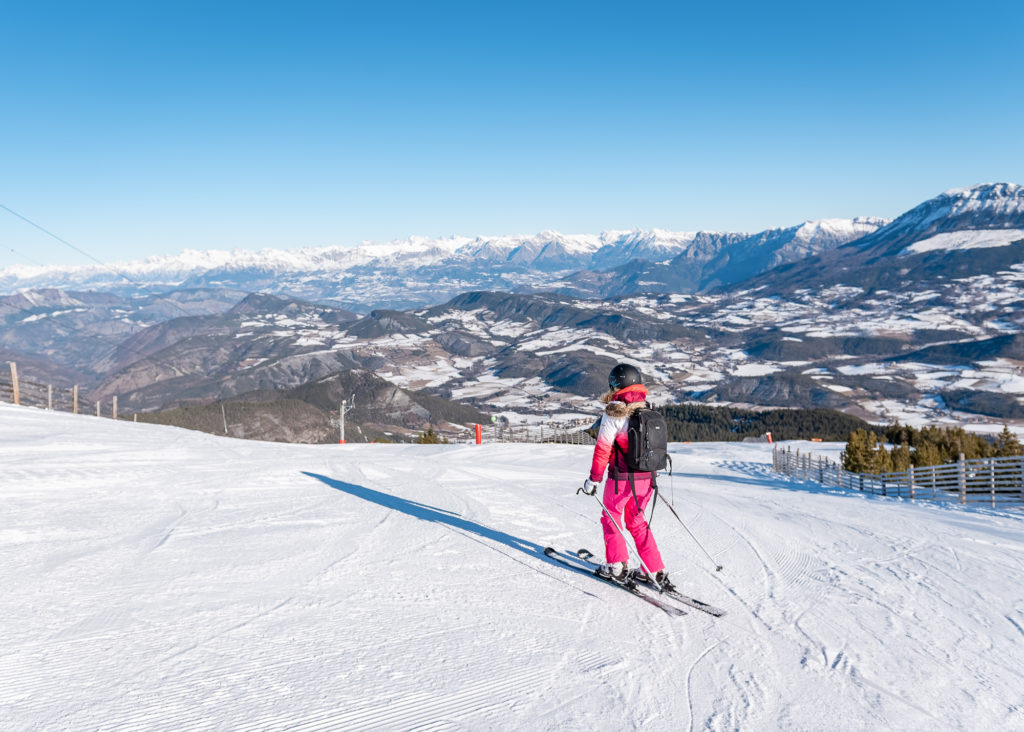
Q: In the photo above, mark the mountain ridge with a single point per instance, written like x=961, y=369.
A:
x=420, y=271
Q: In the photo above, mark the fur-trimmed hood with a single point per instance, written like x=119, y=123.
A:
x=623, y=402
x=622, y=409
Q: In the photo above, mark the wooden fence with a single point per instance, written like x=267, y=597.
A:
x=992, y=481
x=553, y=433
x=16, y=389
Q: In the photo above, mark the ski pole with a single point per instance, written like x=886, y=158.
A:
x=623, y=535
x=718, y=567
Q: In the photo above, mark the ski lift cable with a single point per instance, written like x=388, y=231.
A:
x=24, y=256
x=145, y=288
x=98, y=261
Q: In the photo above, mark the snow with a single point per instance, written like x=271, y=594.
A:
x=990, y=380
x=961, y=240
x=841, y=229
x=160, y=578
x=995, y=198
x=867, y=369
x=755, y=369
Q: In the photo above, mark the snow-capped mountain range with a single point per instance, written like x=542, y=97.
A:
x=915, y=318
x=422, y=271
x=962, y=232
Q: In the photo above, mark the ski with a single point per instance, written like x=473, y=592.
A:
x=567, y=560
x=693, y=602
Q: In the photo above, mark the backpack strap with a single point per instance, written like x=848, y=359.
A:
x=632, y=487
x=614, y=468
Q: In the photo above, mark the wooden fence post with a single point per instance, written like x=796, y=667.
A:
x=74, y=399
x=14, y=381
x=962, y=475
x=1005, y=477
x=992, y=479
x=49, y=397
x=113, y=412
x=97, y=409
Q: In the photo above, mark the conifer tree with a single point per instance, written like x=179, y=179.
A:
x=430, y=437
x=857, y=455
x=1007, y=444
x=900, y=458
x=930, y=446
x=881, y=459
x=926, y=454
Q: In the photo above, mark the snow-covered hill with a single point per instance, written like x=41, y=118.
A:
x=158, y=578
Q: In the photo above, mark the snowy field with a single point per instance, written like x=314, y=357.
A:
x=156, y=578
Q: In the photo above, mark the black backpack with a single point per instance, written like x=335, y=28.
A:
x=647, y=451
x=648, y=442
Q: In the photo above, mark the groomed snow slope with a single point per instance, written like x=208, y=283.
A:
x=156, y=578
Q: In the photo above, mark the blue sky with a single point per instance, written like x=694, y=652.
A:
x=142, y=128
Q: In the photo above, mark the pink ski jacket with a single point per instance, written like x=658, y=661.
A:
x=614, y=427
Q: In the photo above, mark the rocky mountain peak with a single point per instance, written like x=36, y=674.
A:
x=986, y=206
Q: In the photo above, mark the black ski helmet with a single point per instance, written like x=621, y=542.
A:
x=624, y=375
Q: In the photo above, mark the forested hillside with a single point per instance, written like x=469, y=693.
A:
x=698, y=423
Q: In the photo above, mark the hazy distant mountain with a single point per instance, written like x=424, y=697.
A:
x=713, y=260
x=422, y=271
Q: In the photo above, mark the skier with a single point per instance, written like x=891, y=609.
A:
x=624, y=495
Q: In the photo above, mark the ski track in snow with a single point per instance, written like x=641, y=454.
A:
x=158, y=578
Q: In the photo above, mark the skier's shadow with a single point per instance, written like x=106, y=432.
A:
x=435, y=515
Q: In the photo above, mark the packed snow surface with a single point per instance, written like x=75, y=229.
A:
x=156, y=578
x=971, y=239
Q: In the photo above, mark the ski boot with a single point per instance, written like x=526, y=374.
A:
x=616, y=572
x=660, y=579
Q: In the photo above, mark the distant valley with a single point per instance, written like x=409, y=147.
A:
x=920, y=318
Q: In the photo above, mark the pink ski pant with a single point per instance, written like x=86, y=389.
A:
x=623, y=508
